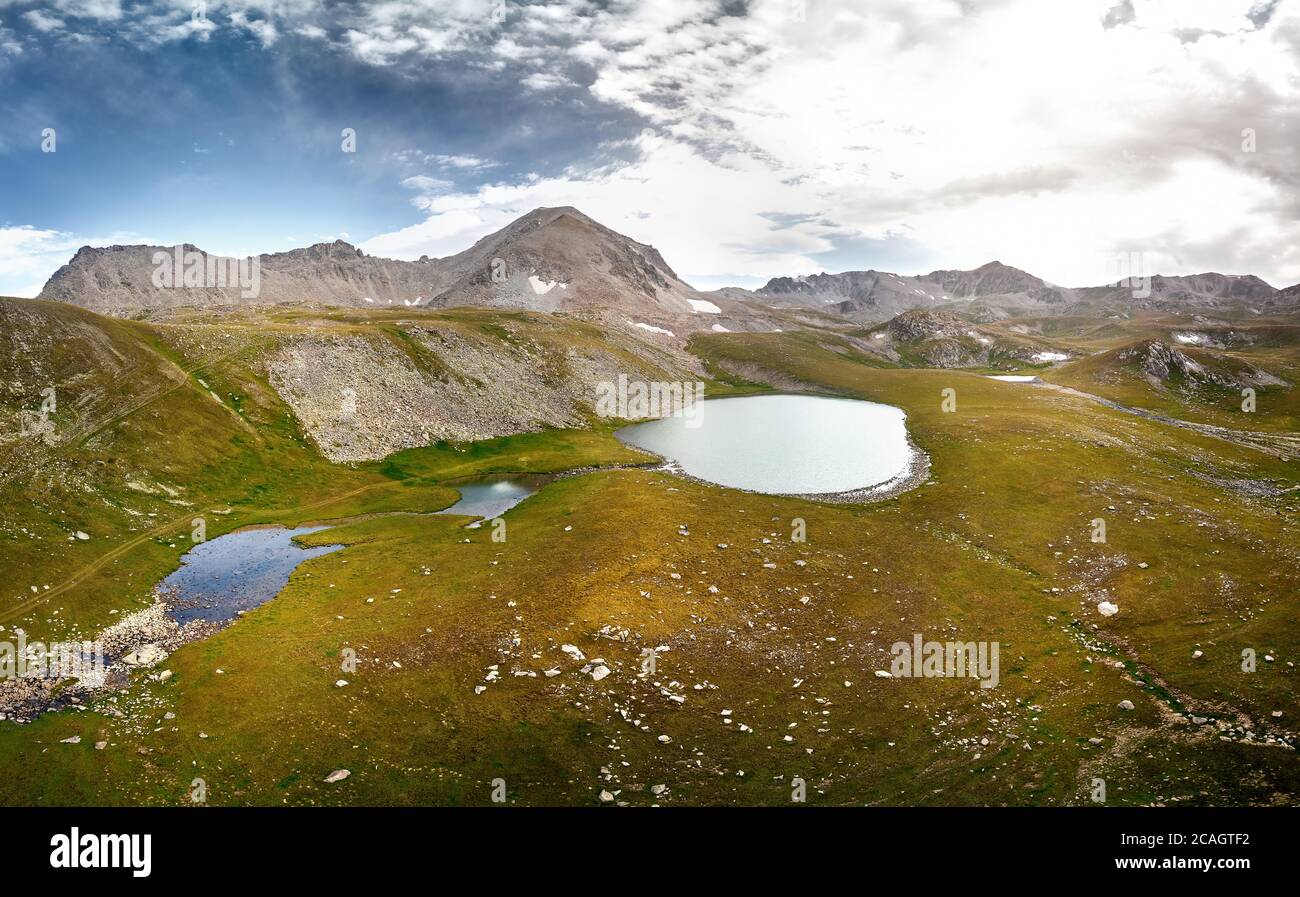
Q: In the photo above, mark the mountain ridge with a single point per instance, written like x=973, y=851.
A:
x=995, y=290
x=550, y=259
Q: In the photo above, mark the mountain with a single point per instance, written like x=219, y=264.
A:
x=551, y=259
x=118, y=280
x=560, y=259
x=871, y=296
x=996, y=291
x=1201, y=292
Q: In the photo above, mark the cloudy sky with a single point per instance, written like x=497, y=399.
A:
x=743, y=139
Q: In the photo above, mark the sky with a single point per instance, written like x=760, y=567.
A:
x=744, y=140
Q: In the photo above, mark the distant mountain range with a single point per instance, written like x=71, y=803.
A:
x=994, y=291
x=558, y=259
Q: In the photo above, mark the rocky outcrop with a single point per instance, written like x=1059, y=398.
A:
x=942, y=340
x=1167, y=365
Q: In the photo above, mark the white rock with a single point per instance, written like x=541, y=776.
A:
x=600, y=672
x=1106, y=609
x=1126, y=704
x=75, y=739
x=573, y=651
x=144, y=655
x=340, y=683
x=338, y=775
x=884, y=674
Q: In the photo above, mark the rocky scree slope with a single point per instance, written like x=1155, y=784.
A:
x=364, y=395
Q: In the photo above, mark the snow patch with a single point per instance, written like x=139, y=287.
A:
x=718, y=328
x=1050, y=356
x=542, y=287
x=704, y=306
x=652, y=328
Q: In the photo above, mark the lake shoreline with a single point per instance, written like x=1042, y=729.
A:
x=915, y=472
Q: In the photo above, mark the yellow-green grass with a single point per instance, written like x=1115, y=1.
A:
x=1019, y=474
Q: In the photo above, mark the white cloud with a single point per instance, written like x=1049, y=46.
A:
x=42, y=22
x=107, y=10
x=29, y=255
x=463, y=162
x=265, y=32
x=703, y=216
x=1018, y=130
x=1047, y=135
x=545, y=81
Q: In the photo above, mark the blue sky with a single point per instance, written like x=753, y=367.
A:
x=744, y=139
